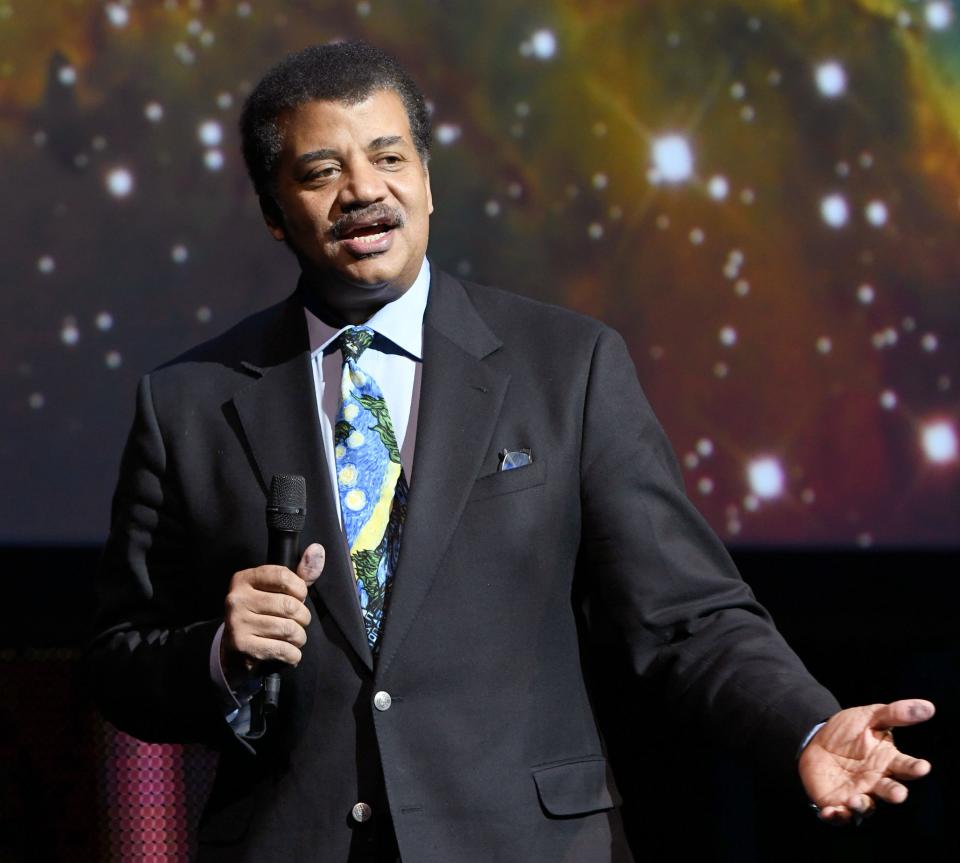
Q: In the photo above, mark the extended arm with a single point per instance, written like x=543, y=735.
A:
x=662, y=579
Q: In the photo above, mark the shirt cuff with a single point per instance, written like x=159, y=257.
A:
x=235, y=702
x=809, y=737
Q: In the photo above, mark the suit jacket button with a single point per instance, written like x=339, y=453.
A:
x=361, y=812
x=382, y=701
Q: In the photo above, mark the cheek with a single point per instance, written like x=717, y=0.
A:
x=310, y=223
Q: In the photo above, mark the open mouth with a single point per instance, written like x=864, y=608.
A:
x=368, y=232
x=366, y=235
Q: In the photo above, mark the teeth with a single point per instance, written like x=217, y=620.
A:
x=369, y=238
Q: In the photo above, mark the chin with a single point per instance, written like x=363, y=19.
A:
x=369, y=280
x=372, y=285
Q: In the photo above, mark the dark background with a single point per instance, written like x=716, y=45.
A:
x=73, y=789
x=761, y=195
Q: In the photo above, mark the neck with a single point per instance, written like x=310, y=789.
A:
x=339, y=303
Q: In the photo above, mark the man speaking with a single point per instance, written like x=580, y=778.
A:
x=487, y=490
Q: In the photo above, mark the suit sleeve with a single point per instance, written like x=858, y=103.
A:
x=148, y=665
x=660, y=584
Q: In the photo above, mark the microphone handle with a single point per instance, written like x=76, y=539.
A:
x=282, y=550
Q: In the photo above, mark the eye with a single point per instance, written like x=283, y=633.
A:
x=321, y=172
x=390, y=160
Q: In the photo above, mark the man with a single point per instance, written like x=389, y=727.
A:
x=434, y=707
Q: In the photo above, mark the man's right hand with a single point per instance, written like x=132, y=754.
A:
x=265, y=619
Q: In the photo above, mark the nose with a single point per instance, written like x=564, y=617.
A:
x=362, y=185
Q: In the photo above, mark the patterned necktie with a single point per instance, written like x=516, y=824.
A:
x=373, y=489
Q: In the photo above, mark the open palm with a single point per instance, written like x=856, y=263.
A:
x=852, y=762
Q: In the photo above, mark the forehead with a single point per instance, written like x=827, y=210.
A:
x=322, y=123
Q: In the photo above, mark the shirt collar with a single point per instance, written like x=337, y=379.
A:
x=400, y=321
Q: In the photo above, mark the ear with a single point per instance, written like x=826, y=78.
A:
x=426, y=181
x=273, y=216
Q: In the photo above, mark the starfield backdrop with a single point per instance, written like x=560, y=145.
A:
x=762, y=195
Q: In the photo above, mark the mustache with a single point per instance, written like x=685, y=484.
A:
x=379, y=214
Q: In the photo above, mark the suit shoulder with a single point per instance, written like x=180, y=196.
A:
x=252, y=341
x=508, y=312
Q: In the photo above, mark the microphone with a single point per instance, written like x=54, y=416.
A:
x=286, y=513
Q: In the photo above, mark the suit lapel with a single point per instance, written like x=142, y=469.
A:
x=278, y=413
x=460, y=400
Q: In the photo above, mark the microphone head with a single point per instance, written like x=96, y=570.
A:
x=287, y=504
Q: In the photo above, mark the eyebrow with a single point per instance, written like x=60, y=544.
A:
x=331, y=153
x=385, y=141
x=314, y=155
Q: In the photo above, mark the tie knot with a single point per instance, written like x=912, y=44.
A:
x=355, y=341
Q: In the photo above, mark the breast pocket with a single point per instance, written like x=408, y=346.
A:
x=509, y=481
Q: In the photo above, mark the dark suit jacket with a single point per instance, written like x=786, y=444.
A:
x=490, y=750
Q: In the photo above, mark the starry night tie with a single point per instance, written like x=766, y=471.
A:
x=372, y=487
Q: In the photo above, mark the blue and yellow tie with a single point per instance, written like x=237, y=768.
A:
x=373, y=490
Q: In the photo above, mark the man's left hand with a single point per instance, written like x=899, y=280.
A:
x=851, y=762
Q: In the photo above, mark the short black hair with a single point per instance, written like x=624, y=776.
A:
x=345, y=72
